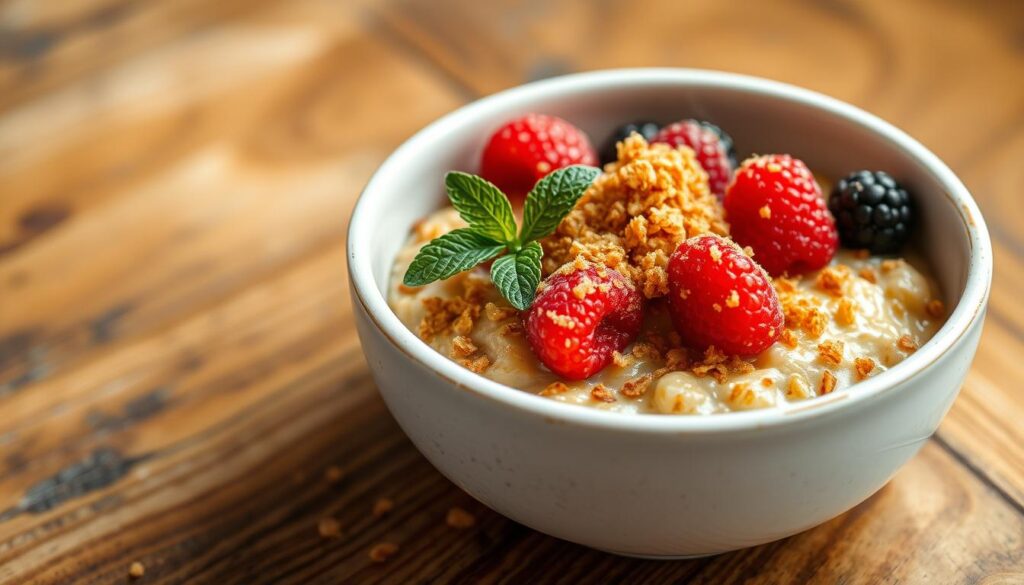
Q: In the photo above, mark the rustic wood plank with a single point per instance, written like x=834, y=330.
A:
x=253, y=161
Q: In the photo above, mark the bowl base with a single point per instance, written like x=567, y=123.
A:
x=659, y=557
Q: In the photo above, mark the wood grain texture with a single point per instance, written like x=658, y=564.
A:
x=178, y=362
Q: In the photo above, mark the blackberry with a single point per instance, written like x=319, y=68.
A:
x=872, y=211
x=646, y=129
x=725, y=140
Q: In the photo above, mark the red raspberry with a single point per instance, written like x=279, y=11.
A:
x=581, y=316
x=718, y=296
x=524, y=150
x=711, y=145
x=775, y=206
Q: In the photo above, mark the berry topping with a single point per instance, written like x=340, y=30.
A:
x=581, y=315
x=775, y=206
x=609, y=152
x=522, y=151
x=718, y=296
x=713, y=147
x=872, y=211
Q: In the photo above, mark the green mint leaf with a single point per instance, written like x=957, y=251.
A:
x=450, y=254
x=482, y=205
x=517, y=275
x=552, y=198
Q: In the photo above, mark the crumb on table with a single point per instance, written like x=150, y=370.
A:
x=382, y=551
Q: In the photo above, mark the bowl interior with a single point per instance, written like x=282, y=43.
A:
x=762, y=117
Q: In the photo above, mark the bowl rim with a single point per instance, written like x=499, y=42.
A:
x=967, y=312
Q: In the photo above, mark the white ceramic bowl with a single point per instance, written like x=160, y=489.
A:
x=662, y=485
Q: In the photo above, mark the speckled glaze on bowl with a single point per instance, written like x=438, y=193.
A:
x=657, y=485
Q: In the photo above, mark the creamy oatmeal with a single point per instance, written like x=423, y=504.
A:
x=852, y=319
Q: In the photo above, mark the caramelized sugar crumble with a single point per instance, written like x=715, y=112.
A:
x=601, y=393
x=554, y=388
x=637, y=212
x=636, y=387
x=329, y=528
x=828, y=383
x=863, y=367
x=382, y=551
x=459, y=518
x=935, y=309
x=831, y=352
x=444, y=315
x=382, y=507
x=907, y=344
x=802, y=310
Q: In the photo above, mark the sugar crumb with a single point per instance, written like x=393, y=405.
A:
x=329, y=528
x=136, y=570
x=382, y=507
x=382, y=551
x=459, y=518
x=828, y=383
x=863, y=366
x=602, y=394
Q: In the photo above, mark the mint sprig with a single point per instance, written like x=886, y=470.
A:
x=449, y=255
x=552, y=198
x=492, y=232
x=517, y=275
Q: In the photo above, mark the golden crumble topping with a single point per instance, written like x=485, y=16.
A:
x=621, y=361
x=554, y=388
x=444, y=315
x=496, y=313
x=907, y=344
x=828, y=383
x=788, y=338
x=462, y=347
x=476, y=364
x=831, y=352
x=636, y=387
x=601, y=393
x=868, y=274
x=741, y=394
x=719, y=366
x=832, y=278
x=797, y=387
x=802, y=310
x=888, y=266
x=863, y=366
x=844, y=314
x=636, y=213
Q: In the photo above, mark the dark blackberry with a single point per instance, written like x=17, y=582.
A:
x=644, y=128
x=872, y=211
x=725, y=140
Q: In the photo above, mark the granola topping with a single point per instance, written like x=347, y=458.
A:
x=636, y=213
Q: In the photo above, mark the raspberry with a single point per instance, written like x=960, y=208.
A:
x=873, y=211
x=712, y=146
x=522, y=151
x=720, y=297
x=580, y=316
x=775, y=206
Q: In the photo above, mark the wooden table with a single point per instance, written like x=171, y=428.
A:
x=180, y=381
